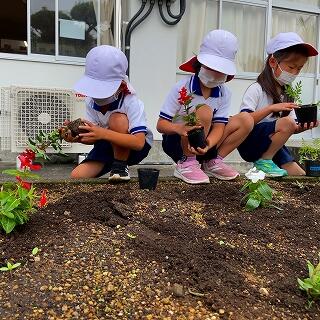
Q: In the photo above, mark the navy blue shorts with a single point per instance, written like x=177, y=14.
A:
x=171, y=144
x=257, y=143
x=103, y=152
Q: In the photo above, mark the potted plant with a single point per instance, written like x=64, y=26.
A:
x=196, y=137
x=310, y=154
x=306, y=113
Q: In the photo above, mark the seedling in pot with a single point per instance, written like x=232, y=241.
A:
x=196, y=136
x=310, y=154
x=305, y=113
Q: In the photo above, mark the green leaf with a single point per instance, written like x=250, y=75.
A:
x=245, y=186
x=131, y=236
x=7, y=224
x=310, y=268
x=35, y=250
x=16, y=265
x=4, y=269
x=252, y=204
x=12, y=205
x=265, y=191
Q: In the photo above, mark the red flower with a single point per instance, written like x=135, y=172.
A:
x=26, y=158
x=24, y=184
x=184, y=97
x=43, y=199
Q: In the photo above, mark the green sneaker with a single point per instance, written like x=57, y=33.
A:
x=270, y=168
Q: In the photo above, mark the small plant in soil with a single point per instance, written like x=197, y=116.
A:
x=259, y=193
x=10, y=266
x=19, y=199
x=311, y=284
x=35, y=251
x=196, y=136
x=310, y=151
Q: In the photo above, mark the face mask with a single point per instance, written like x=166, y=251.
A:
x=285, y=77
x=209, y=80
x=105, y=101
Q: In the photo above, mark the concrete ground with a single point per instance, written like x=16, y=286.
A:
x=57, y=172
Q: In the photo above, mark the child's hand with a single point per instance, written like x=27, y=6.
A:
x=306, y=126
x=199, y=151
x=182, y=129
x=93, y=134
x=284, y=106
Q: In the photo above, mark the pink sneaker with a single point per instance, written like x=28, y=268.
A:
x=189, y=171
x=218, y=169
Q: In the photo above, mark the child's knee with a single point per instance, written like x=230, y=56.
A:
x=286, y=124
x=246, y=121
x=119, y=122
x=204, y=114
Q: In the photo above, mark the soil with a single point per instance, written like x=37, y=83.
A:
x=179, y=252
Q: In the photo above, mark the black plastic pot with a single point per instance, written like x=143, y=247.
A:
x=312, y=168
x=148, y=178
x=307, y=113
x=197, y=138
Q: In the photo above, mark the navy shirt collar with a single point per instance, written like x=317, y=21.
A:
x=112, y=106
x=196, y=89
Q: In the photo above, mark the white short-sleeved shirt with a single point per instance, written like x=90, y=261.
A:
x=256, y=99
x=129, y=105
x=219, y=100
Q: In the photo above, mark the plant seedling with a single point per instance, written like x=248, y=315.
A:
x=310, y=151
x=259, y=194
x=294, y=92
x=10, y=266
x=311, y=285
x=35, y=251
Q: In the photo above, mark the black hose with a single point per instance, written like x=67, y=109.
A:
x=131, y=26
x=182, y=9
x=168, y=3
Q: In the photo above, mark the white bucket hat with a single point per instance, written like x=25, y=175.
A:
x=217, y=51
x=105, y=69
x=285, y=40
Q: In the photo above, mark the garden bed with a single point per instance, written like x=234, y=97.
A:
x=179, y=252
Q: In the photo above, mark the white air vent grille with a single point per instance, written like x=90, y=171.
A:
x=38, y=109
x=5, y=119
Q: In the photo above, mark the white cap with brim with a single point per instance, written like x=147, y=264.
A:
x=105, y=69
x=284, y=40
x=217, y=51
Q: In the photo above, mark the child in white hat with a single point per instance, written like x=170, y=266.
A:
x=273, y=114
x=116, y=122
x=211, y=68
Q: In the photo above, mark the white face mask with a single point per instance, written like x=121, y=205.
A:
x=105, y=101
x=209, y=80
x=285, y=77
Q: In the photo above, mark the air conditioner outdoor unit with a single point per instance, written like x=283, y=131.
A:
x=43, y=109
x=5, y=120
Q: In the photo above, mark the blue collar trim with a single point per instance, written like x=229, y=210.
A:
x=112, y=106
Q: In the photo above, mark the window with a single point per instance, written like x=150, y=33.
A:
x=13, y=27
x=192, y=27
x=252, y=20
x=60, y=29
x=42, y=27
x=303, y=24
x=77, y=27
